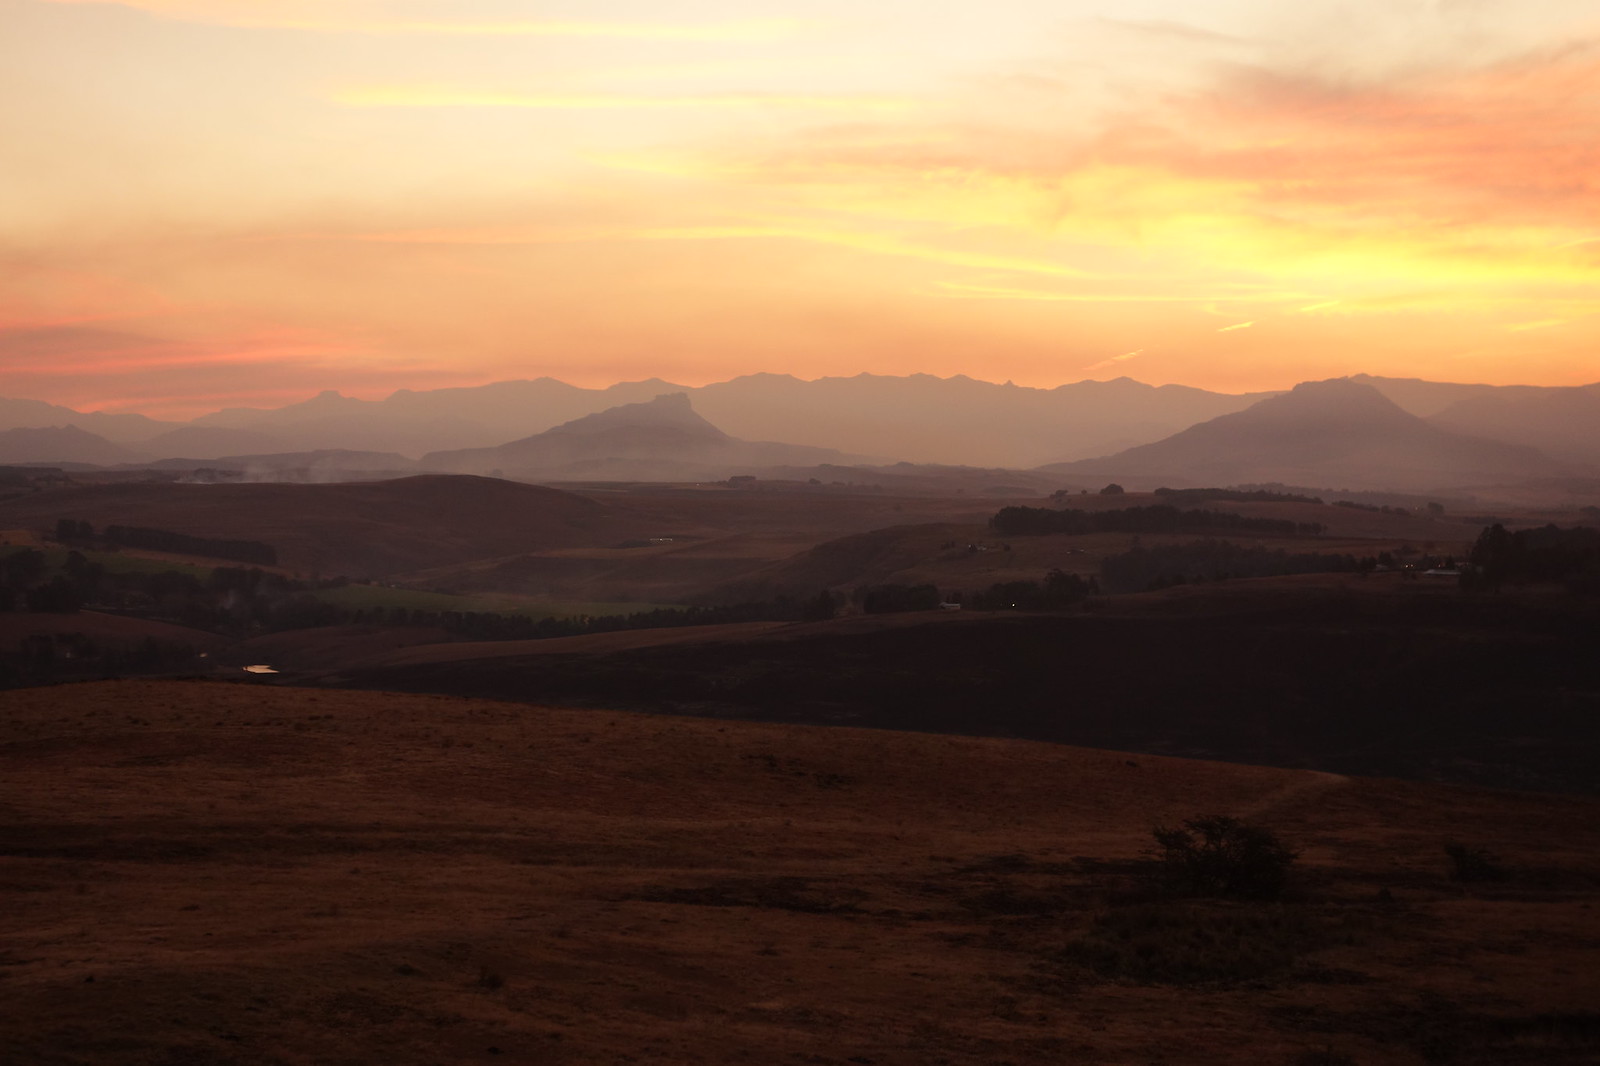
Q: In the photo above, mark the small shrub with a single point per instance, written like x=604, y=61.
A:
x=1473, y=864
x=1222, y=856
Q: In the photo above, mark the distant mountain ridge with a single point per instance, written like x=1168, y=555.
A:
x=662, y=439
x=920, y=418
x=60, y=444
x=917, y=417
x=1339, y=432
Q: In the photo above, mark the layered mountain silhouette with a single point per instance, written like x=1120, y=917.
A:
x=1324, y=433
x=117, y=428
x=60, y=444
x=1565, y=422
x=662, y=439
x=918, y=417
x=417, y=422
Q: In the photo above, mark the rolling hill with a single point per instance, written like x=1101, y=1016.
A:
x=368, y=529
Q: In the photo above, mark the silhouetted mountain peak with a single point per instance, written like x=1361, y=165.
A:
x=1338, y=400
x=668, y=411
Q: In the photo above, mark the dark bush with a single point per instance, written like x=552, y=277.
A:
x=1222, y=856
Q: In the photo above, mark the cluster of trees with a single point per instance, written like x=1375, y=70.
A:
x=1058, y=589
x=1549, y=553
x=1142, y=568
x=27, y=585
x=1433, y=508
x=228, y=600
x=79, y=532
x=53, y=658
x=1158, y=518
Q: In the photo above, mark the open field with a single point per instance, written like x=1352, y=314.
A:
x=1382, y=676
x=238, y=874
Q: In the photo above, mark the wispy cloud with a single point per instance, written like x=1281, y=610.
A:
x=1115, y=360
x=969, y=291
x=1165, y=28
x=341, y=16
x=1239, y=325
x=427, y=96
x=874, y=243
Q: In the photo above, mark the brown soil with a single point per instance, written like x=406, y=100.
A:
x=213, y=873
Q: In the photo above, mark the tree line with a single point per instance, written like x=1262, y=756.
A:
x=1156, y=518
x=1144, y=568
x=1546, y=554
x=79, y=532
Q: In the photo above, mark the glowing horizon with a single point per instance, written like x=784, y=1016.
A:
x=212, y=203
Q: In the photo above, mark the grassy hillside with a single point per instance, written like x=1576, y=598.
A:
x=238, y=874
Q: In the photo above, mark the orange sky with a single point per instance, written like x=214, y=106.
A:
x=207, y=203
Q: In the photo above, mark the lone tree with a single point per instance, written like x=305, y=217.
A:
x=1222, y=856
x=1112, y=489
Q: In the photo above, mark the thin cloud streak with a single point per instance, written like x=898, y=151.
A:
x=315, y=17
x=425, y=97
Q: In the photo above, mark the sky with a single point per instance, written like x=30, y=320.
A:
x=211, y=203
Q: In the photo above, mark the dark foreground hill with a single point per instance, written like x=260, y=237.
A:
x=359, y=529
x=230, y=874
x=1381, y=676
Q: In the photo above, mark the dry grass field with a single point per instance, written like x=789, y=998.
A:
x=198, y=872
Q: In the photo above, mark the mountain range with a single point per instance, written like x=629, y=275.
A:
x=1403, y=434
x=919, y=418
